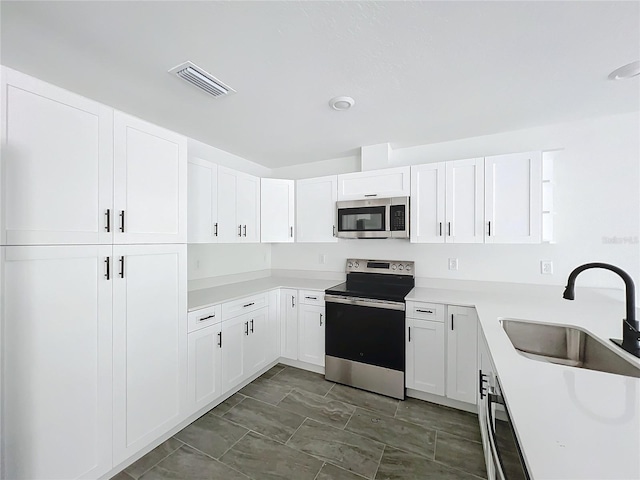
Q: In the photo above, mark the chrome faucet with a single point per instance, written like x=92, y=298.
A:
x=630, y=326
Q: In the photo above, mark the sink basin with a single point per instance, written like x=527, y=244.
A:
x=566, y=345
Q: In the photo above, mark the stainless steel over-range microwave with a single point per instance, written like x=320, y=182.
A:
x=374, y=218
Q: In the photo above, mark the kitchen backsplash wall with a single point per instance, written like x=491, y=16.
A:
x=596, y=197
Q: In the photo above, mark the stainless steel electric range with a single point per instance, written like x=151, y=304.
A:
x=365, y=327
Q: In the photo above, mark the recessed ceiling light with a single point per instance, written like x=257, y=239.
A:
x=342, y=103
x=628, y=71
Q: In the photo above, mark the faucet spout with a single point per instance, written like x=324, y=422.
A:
x=630, y=325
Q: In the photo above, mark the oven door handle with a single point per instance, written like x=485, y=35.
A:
x=491, y=398
x=365, y=302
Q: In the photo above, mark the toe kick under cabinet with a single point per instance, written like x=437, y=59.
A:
x=441, y=350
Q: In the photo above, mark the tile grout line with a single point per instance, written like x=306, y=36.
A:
x=234, y=444
x=375, y=474
x=321, y=467
x=296, y=431
x=344, y=427
x=325, y=395
x=218, y=460
x=435, y=445
x=162, y=459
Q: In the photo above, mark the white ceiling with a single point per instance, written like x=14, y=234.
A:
x=420, y=72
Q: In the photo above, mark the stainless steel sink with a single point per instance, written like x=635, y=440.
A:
x=566, y=345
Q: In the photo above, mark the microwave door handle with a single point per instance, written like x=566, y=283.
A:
x=492, y=437
x=387, y=218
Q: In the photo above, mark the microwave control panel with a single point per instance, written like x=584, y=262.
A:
x=397, y=213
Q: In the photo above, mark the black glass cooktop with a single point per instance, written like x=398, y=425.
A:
x=375, y=286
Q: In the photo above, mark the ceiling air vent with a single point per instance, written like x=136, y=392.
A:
x=197, y=77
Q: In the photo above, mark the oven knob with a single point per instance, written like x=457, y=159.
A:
x=394, y=266
x=356, y=264
x=349, y=264
x=408, y=268
x=400, y=267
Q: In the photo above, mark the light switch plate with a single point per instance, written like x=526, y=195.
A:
x=453, y=264
x=546, y=267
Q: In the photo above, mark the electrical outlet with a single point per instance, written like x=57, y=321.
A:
x=453, y=264
x=323, y=259
x=546, y=267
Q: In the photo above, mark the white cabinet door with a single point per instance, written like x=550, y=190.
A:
x=428, y=203
x=150, y=182
x=229, y=229
x=465, y=201
x=316, y=209
x=150, y=343
x=462, y=353
x=425, y=356
x=57, y=155
x=276, y=210
x=57, y=396
x=233, y=368
x=513, y=198
x=387, y=182
x=205, y=367
x=256, y=338
x=202, y=201
x=311, y=321
x=289, y=323
x=248, y=206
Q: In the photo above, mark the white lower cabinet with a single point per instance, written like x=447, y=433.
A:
x=289, y=323
x=462, y=353
x=57, y=338
x=149, y=344
x=311, y=320
x=205, y=366
x=233, y=369
x=442, y=350
x=256, y=339
x=425, y=356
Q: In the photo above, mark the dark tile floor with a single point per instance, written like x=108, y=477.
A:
x=293, y=424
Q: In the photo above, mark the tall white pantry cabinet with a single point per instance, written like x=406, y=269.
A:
x=93, y=271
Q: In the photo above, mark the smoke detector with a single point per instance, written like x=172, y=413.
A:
x=627, y=71
x=200, y=78
x=341, y=103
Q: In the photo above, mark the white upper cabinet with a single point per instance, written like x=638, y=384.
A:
x=57, y=398
x=150, y=182
x=447, y=202
x=388, y=182
x=202, y=201
x=427, y=203
x=57, y=151
x=316, y=209
x=149, y=344
x=276, y=210
x=464, y=201
x=513, y=198
x=238, y=206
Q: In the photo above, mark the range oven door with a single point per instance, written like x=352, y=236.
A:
x=365, y=344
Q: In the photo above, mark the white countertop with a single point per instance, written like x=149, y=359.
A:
x=211, y=296
x=571, y=423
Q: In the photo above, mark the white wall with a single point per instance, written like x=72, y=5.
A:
x=597, y=196
x=215, y=260
x=226, y=159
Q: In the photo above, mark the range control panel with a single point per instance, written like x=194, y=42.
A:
x=393, y=267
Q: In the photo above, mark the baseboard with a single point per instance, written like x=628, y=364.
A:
x=447, y=402
x=302, y=365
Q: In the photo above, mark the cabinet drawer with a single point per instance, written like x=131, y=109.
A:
x=203, y=318
x=245, y=305
x=311, y=297
x=426, y=311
